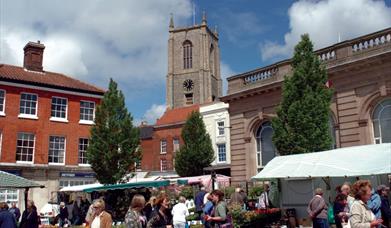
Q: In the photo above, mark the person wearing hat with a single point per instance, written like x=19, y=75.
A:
x=63, y=217
x=383, y=192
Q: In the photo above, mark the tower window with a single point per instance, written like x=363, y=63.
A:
x=189, y=98
x=187, y=55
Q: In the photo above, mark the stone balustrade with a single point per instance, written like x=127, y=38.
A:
x=261, y=75
x=336, y=54
x=371, y=42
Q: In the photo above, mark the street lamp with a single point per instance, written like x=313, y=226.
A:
x=213, y=177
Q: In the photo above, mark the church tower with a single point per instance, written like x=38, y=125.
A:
x=193, y=65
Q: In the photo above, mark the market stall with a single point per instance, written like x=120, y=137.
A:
x=300, y=174
x=11, y=181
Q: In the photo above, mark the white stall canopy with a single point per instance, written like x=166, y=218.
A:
x=343, y=162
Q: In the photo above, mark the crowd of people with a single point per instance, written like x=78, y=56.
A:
x=157, y=212
x=9, y=217
x=357, y=206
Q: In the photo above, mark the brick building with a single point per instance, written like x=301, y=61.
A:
x=160, y=141
x=360, y=73
x=45, y=119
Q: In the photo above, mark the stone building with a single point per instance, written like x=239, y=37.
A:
x=193, y=65
x=193, y=80
x=45, y=118
x=359, y=71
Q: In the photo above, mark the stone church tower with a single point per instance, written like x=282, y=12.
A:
x=193, y=65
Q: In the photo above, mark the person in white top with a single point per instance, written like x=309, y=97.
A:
x=179, y=213
x=264, y=200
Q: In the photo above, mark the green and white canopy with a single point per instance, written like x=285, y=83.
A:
x=343, y=162
x=8, y=180
x=141, y=184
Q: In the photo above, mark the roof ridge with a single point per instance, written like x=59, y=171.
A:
x=69, y=78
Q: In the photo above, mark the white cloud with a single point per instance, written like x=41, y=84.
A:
x=325, y=20
x=94, y=40
x=152, y=114
x=226, y=72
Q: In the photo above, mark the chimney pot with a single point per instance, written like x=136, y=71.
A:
x=33, y=56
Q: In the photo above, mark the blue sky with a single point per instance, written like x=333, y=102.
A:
x=127, y=39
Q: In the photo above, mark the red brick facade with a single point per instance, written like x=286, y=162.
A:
x=43, y=127
x=168, y=128
x=17, y=116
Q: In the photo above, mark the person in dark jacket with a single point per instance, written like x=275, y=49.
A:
x=199, y=201
x=340, y=213
x=30, y=217
x=7, y=219
x=383, y=191
x=161, y=217
x=63, y=215
x=15, y=211
x=77, y=211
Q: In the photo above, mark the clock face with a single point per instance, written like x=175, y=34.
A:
x=188, y=84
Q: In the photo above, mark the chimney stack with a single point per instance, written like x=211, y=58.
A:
x=33, y=56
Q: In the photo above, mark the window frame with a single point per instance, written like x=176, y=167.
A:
x=258, y=140
x=187, y=99
x=85, y=152
x=2, y=112
x=33, y=149
x=165, y=165
x=89, y=122
x=161, y=146
x=187, y=47
x=173, y=144
x=64, y=157
x=376, y=120
x=218, y=152
x=59, y=119
x=220, y=128
x=29, y=116
x=7, y=193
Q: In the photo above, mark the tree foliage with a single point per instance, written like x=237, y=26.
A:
x=197, y=151
x=113, y=146
x=302, y=122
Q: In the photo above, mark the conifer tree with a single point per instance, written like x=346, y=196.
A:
x=113, y=146
x=197, y=151
x=302, y=122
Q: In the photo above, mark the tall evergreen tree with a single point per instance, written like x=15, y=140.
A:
x=197, y=151
x=113, y=146
x=302, y=122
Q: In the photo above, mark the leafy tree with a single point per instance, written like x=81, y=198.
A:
x=302, y=122
x=197, y=151
x=113, y=146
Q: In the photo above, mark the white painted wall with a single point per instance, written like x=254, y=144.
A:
x=212, y=114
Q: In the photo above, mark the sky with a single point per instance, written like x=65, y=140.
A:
x=95, y=40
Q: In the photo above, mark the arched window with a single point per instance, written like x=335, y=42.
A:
x=265, y=148
x=381, y=120
x=187, y=55
x=212, y=60
x=332, y=132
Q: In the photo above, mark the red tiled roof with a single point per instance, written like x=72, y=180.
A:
x=46, y=79
x=176, y=115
